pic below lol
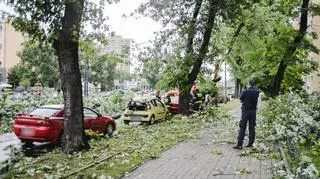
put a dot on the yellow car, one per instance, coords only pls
(145, 110)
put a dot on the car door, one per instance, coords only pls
(154, 108)
(92, 120)
(161, 109)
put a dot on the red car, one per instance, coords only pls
(45, 124)
(172, 101)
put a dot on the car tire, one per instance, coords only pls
(166, 116)
(27, 143)
(126, 122)
(152, 120)
(109, 130)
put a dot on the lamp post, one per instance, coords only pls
(86, 71)
(225, 81)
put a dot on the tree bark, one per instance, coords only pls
(184, 98)
(237, 88)
(291, 49)
(193, 26)
(103, 87)
(74, 138)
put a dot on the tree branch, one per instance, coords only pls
(205, 43)
(192, 28)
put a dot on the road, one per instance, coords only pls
(7, 140)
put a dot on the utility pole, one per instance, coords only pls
(225, 81)
(86, 71)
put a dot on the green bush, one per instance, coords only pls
(293, 120)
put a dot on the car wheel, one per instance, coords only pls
(166, 116)
(27, 143)
(126, 122)
(109, 130)
(152, 120)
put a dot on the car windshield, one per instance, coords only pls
(44, 112)
(136, 105)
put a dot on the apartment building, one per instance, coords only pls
(10, 45)
(312, 81)
(123, 46)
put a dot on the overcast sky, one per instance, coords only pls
(140, 30)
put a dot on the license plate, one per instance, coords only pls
(135, 118)
(27, 132)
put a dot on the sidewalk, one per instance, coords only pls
(198, 158)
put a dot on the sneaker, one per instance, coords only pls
(249, 146)
(239, 147)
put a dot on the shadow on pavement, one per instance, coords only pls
(37, 149)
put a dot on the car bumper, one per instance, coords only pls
(34, 134)
(136, 118)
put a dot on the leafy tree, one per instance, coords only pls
(42, 61)
(260, 44)
(151, 71)
(21, 75)
(193, 22)
(291, 48)
(103, 70)
(15, 75)
(102, 66)
(153, 59)
(123, 75)
(60, 23)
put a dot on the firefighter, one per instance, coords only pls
(167, 100)
(198, 99)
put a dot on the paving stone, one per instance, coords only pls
(193, 159)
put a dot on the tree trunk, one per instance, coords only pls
(237, 88)
(103, 87)
(184, 102)
(291, 49)
(74, 138)
(198, 60)
(185, 87)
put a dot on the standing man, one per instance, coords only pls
(249, 99)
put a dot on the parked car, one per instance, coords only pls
(172, 101)
(145, 110)
(5, 87)
(46, 123)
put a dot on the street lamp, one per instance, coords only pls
(225, 81)
(86, 79)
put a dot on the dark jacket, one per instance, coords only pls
(249, 99)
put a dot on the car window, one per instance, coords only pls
(159, 104)
(135, 105)
(44, 112)
(153, 102)
(89, 113)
